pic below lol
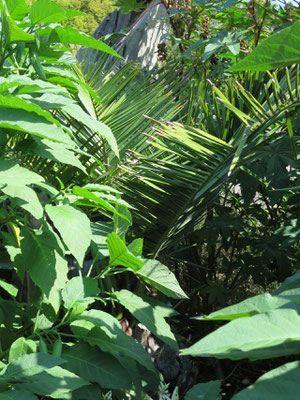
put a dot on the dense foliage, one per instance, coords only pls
(214, 194)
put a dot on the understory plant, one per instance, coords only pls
(63, 238)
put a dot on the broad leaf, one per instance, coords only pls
(292, 282)
(74, 228)
(278, 384)
(101, 329)
(205, 391)
(45, 12)
(120, 255)
(79, 293)
(17, 395)
(46, 266)
(34, 124)
(272, 334)
(13, 33)
(12, 172)
(90, 392)
(254, 305)
(55, 382)
(150, 316)
(50, 150)
(159, 276)
(20, 347)
(25, 197)
(93, 365)
(28, 366)
(70, 35)
(17, 9)
(279, 50)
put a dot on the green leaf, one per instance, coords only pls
(13, 291)
(74, 228)
(122, 220)
(12, 172)
(42, 255)
(272, 334)
(15, 102)
(279, 50)
(136, 247)
(205, 391)
(255, 305)
(86, 194)
(28, 366)
(278, 384)
(13, 33)
(55, 382)
(70, 35)
(149, 315)
(119, 254)
(46, 12)
(21, 120)
(90, 392)
(100, 230)
(20, 347)
(17, 9)
(79, 293)
(26, 198)
(17, 395)
(101, 329)
(160, 277)
(293, 282)
(50, 150)
(94, 365)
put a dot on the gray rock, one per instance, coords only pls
(144, 31)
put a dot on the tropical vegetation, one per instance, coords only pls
(167, 198)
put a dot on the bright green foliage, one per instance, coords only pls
(51, 210)
(279, 50)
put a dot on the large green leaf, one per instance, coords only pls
(17, 395)
(55, 382)
(13, 33)
(19, 103)
(149, 315)
(120, 255)
(12, 172)
(17, 9)
(272, 334)
(205, 391)
(45, 12)
(74, 228)
(101, 329)
(277, 384)
(90, 392)
(21, 120)
(29, 365)
(25, 197)
(255, 305)
(79, 293)
(70, 35)
(50, 150)
(279, 50)
(159, 276)
(93, 365)
(46, 265)
(20, 347)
